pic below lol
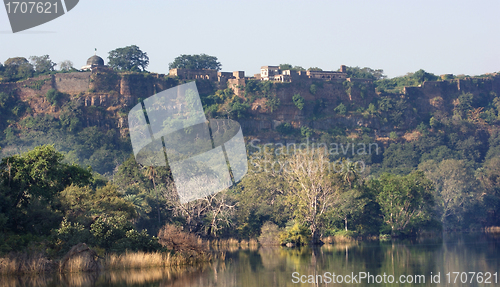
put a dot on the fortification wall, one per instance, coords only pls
(72, 83)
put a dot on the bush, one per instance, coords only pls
(298, 101)
(70, 234)
(272, 103)
(174, 238)
(285, 129)
(269, 234)
(107, 230)
(53, 96)
(136, 241)
(313, 89)
(306, 132)
(297, 235)
(341, 109)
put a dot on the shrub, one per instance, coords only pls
(341, 109)
(306, 132)
(297, 235)
(53, 96)
(313, 89)
(272, 103)
(174, 238)
(285, 128)
(269, 234)
(298, 101)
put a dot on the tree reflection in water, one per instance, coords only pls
(273, 266)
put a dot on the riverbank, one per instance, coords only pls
(88, 261)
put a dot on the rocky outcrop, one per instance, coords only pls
(80, 258)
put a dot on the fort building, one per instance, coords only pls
(274, 73)
(94, 62)
(191, 74)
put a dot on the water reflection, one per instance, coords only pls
(272, 266)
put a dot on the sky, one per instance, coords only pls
(441, 37)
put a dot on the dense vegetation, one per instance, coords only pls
(444, 176)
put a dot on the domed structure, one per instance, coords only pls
(94, 62)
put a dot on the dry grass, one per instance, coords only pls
(412, 136)
(25, 263)
(21, 264)
(75, 264)
(136, 260)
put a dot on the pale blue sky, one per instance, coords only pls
(459, 37)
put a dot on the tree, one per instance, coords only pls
(195, 62)
(17, 68)
(313, 189)
(455, 190)
(315, 69)
(406, 201)
(42, 64)
(66, 65)
(365, 73)
(30, 183)
(129, 58)
(284, 67)
(489, 176)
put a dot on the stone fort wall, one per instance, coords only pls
(72, 83)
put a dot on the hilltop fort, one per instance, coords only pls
(268, 96)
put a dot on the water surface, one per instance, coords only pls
(274, 266)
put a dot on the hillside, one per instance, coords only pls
(84, 113)
(434, 142)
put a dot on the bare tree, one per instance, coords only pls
(314, 187)
(207, 215)
(65, 65)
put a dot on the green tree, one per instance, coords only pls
(129, 58)
(315, 69)
(298, 101)
(365, 73)
(53, 96)
(195, 62)
(406, 201)
(42, 64)
(17, 68)
(284, 67)
(260, 195)
(31, 182)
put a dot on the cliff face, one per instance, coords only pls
(105, 98)
(321, 98)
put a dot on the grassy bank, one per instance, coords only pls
(38, 263)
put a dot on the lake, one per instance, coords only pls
(475, 259)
